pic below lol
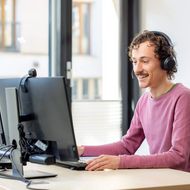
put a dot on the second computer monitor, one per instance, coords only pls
(5, 83)
(52, 124)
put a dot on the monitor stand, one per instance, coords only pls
(17, 171)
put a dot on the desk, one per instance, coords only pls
(133, 179)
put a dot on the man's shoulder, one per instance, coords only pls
(179, 94)
(181, 97)
(181, 89)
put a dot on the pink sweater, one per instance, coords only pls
(165, 123)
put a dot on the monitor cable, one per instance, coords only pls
(7, 149)
(27, 148)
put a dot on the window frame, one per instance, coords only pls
(129, 11)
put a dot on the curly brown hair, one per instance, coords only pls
(163, 48)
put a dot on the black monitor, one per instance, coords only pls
(52, 125)
(50, 130)
(9, 83)
(18, 144)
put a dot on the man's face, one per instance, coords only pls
(146, 66)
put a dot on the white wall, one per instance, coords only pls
(171, 17)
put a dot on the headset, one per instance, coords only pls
(169, 62)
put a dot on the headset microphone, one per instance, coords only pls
(31, 73)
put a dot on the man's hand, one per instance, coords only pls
(103, 162)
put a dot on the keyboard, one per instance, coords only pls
(74, 165)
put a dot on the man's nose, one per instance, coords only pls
(138, 67)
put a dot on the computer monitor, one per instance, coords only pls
(18, 140)
(2, 134)
(10, 83)
(51, 129)
(6, 83)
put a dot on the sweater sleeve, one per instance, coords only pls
(179, 154)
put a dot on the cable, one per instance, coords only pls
(28, 186)
(5, 146)
(27, 148)
(5, 163)
(5, 152)
(2, 146)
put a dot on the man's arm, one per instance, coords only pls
(127, 145)
(178, 156)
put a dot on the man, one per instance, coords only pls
(162, 114)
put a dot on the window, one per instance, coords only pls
(85, 88)
(24, 37)
(81, 27)
(95, 62)
(9, 27)
(74, 89)
(96, 89)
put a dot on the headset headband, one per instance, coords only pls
(165, 36)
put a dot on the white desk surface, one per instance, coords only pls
(160, 179)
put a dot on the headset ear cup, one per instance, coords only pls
(168, 64)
